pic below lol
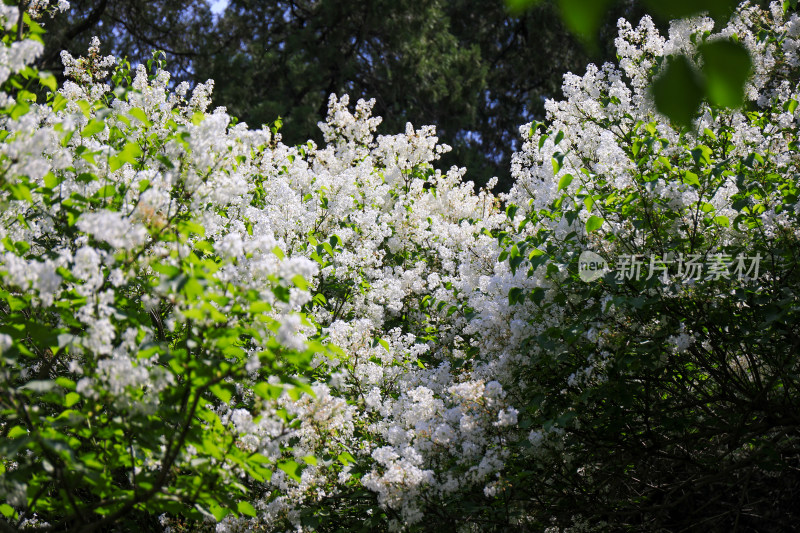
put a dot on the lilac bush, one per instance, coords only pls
(206, 329)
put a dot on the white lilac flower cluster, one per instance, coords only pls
(37, 8)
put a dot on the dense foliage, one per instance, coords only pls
(204, 327)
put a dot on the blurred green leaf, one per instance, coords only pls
(246, 508)
(59, 102)
(224, 392)
(726, 66)
(94, 126)
(678, 92)
(267, 390)
(19, 109)
(71, 399)
(140, 115)
(674, 9)
(584, 17)
(300, 282)
(516, 7)
(49, 81)
(17, 431)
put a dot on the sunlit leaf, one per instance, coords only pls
(93, 127)
(593, 223)
(246, 508)
(564, 182)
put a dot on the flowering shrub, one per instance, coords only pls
(130, 323)
(662, 395)
(205, 328)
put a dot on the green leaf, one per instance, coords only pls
(702, 155)
(170, 271)
(727, 67)
(537, 295)
(675, 9)
(85, 108)
(222, 392)
(106, 191)
(218, 511)
(515, 7)
(71, 399)
(678, 92)
(49, 81)
(690, 178)
(584, 17)
(558, 161)
(189, 227)
(511, 210)
(139, 114)
(564, 182)
(246, 508)
(291, 468)
(63, 381)
(19, 109)
(21, 192)
(268, 391)
(26, 96)
(93, 127)
(515, 295)
(515, 262)
(7, 510)
(300, 282)
(59, 103)
(129, 153)
(17, 431)
(346, 458)
(593, 223)
(51, 181)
